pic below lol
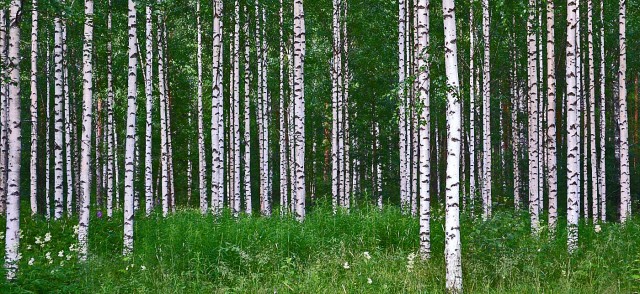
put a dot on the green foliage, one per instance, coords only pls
(366, 251)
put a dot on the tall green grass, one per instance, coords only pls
(189, 253)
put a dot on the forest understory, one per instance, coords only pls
(366, 251)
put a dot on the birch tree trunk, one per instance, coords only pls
(3, 111)
(87, 130)
(284, 167)
(131, 130)
(602, 167)
(59, 121)
(552, 179)
(68, 121)
(299, 44)
(164, 144)
(33, 172)
(112, 167)
(236, 111)
(14, 141)
(453, 248)
(336, 70)
(402, 11)
(247, 115)
(592, 116)
(424, 84)
(625, 179)
(217, 113)
(533, 122)
(472, 109)
(573, 167)
(202, 157)
(47, 143)
(486, 115)
(148, 89)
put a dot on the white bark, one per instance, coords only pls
(453, 248)
(573, 178)
(112, 150)
(3, 112)
(284, 167)
(552, 179)
(33, 172)
(202, 157)
(68, 121)
(164, 144)
(148, 89)
(217, 113)
(236, 113)
(47, 143)
(14, 141)
(131, 130)
(486, 115)
(625, 179)
(534, 165)
(472, 110)
(246, 142)
(336, 77)
(299, 45)
(402, 124)
(602, 168)
(425, 126)
(87, 130)
(58, 122)
(592, 116)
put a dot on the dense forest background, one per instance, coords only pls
(373, 31)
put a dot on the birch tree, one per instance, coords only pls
(625, 179)
(284, 147)
(602, 168)
(87, 130)
(202, 167)
(58, 121)
(453, 248)
(573, 167)
(34, 109)
(533, 121)
(164, 154)
(472, 108)
(592, 116)
(68, 122)
(247, 115)
(112, 166)
(552, 179)
(425, 126)
(235, 135)
(12, 241)
(486, 115)
(299, 51)
(148, 89)
(131, 129)
(3, 111)
(217, 112)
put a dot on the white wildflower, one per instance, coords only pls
(31, 261)
(29, 247)
(598, 229)
(48, 256)
(369, 281)
(69, 257)
(61, 253)
(346, 265)
(410, 261)
(47, 237)
(38, 240)
(367, 255)
(143, 267)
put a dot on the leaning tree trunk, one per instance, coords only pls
(148, 89)
(217, 113)
(573, 166)
(625, 181)
(14, 141)
(453, 250)
(130, 144)
(425, 126)
(299, 51)
(87, 130)
(486, 116)
(552, 179)
(534, 171)
(602, 167)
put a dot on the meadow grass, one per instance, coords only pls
(190, 253)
